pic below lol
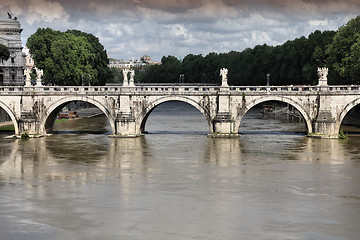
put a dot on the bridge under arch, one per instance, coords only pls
(263, 99)
(12, 116)
(47, 123)
(141, 120)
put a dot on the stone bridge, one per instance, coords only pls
(33, 109)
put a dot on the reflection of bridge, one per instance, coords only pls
(35, 108)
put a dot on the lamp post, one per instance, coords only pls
(181, 78)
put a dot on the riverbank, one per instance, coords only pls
(83, 113)
(89, 112)
(7, 126)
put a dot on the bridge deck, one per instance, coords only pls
(178, 89)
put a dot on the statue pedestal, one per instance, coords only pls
(27, 83)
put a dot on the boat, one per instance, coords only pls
(68, 115)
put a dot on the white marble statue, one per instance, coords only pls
(322, 73)
(39, 74)
(27, 77)
(223, 74)
(132, 74)
(125, 75)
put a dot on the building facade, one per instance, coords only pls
(121, 64)
(12, 70)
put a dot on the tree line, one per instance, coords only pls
(294, 62)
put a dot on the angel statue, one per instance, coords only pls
(125, 75)
(322, 73)
(223, 74)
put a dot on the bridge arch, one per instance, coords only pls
(48, 119)
(12, 116)
(344, 112)
(262, 99)
(152, 105)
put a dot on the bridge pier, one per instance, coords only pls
(325, 126)
(223, 126)
(125, 126)
(224, 123)
(28, 124)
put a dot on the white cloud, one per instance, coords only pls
(133, 28)
(317, 23)
(178, 31)
(46, 11)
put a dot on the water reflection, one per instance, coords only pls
(66, 157)
(224, 152)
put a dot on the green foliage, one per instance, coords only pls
(61, 120)
(117, 75)
(25, 135)
(294, 62)
(100, 61)
(69, 58)
(4, 52)
(342, 135)
(344, 53)
(7, 128)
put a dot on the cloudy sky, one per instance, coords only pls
(132, 28)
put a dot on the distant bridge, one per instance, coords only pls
(34, 108)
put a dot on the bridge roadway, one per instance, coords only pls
(34, 109)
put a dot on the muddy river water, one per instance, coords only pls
(176, 183)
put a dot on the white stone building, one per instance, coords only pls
(12, 70)
(121, 64)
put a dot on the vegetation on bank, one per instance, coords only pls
(294, 62)
(61, 120)
(9, 128)
(343, 135)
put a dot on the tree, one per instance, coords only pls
(192, 68)
(4, 52)
(101, 61)
(344, 57)
(169, 71)
(69, 58)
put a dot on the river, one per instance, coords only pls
(176, 183)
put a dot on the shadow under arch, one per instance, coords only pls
(259, 100)
(47, 123)
(345, 111)
(141, 120)
(12, 116)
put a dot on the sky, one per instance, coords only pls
(129, 29)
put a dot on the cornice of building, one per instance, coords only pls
(10, 25)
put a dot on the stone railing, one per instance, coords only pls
(162, 89)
